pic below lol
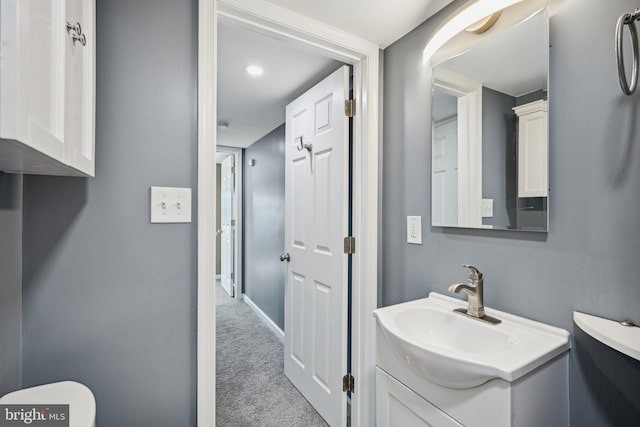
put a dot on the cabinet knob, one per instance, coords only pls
(75, 31)
(79, 38)
(75, 28)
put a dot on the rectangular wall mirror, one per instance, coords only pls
(490, 127)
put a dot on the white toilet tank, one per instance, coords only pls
(82, 403)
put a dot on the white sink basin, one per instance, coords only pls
(456, 351)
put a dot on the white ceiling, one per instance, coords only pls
(254, 106)
(379, 21)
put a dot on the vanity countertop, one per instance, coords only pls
(625, 339)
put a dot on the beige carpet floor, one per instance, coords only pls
(251, 388)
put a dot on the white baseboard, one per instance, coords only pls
(279, 333)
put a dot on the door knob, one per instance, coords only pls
(285, 257)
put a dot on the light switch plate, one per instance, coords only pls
(487, 208)
(170, 204)
(414, 230)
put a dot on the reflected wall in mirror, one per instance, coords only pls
(490, 127)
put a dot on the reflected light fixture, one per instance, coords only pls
(472, 12)
(254, 70)
(484, 24)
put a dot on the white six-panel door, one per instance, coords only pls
(316, 196)
(227, 225)
(444, 209)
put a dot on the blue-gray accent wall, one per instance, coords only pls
(589, 259)
(499, 177)
(263, 205)
(110, 299)
(10, 281)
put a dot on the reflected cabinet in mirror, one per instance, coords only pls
(490, 126)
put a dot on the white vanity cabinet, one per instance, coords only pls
(398, 405)
(47, 87)
(533, 149)
(405, 398)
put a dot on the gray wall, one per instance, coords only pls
(10, 281)
(110, 299)
(531, 96)
(263, 205)
(499, 156)
(589, 259)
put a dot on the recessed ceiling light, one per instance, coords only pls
(254, 70)
(223, 125)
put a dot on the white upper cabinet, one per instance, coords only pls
(533, 149)
(47, 86)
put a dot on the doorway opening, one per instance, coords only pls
(365, 58)
(266, 187)
(229, 219)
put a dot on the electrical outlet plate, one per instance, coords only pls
(487, 208)
(170, 205)
(414, 230)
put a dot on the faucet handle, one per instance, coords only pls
(475, 274)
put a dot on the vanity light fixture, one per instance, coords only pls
(470, 13)
(484, 24)
(254, 70)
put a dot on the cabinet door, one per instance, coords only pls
(40, 95)
(397, 405)
(79, 124)
(533, 149)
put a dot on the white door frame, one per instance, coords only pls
(237, 198)
(269, 18)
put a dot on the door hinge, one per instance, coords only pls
(348, 383)
(233, 222)
(232, 276)
(350, 107)
(349, 245)
(233, 170)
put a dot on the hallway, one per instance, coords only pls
(251, 388)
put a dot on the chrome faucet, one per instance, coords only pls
(474, 291)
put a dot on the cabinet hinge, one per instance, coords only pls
(348, 383)
(350, 107)
(349, 245)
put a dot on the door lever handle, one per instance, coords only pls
(285, 257)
